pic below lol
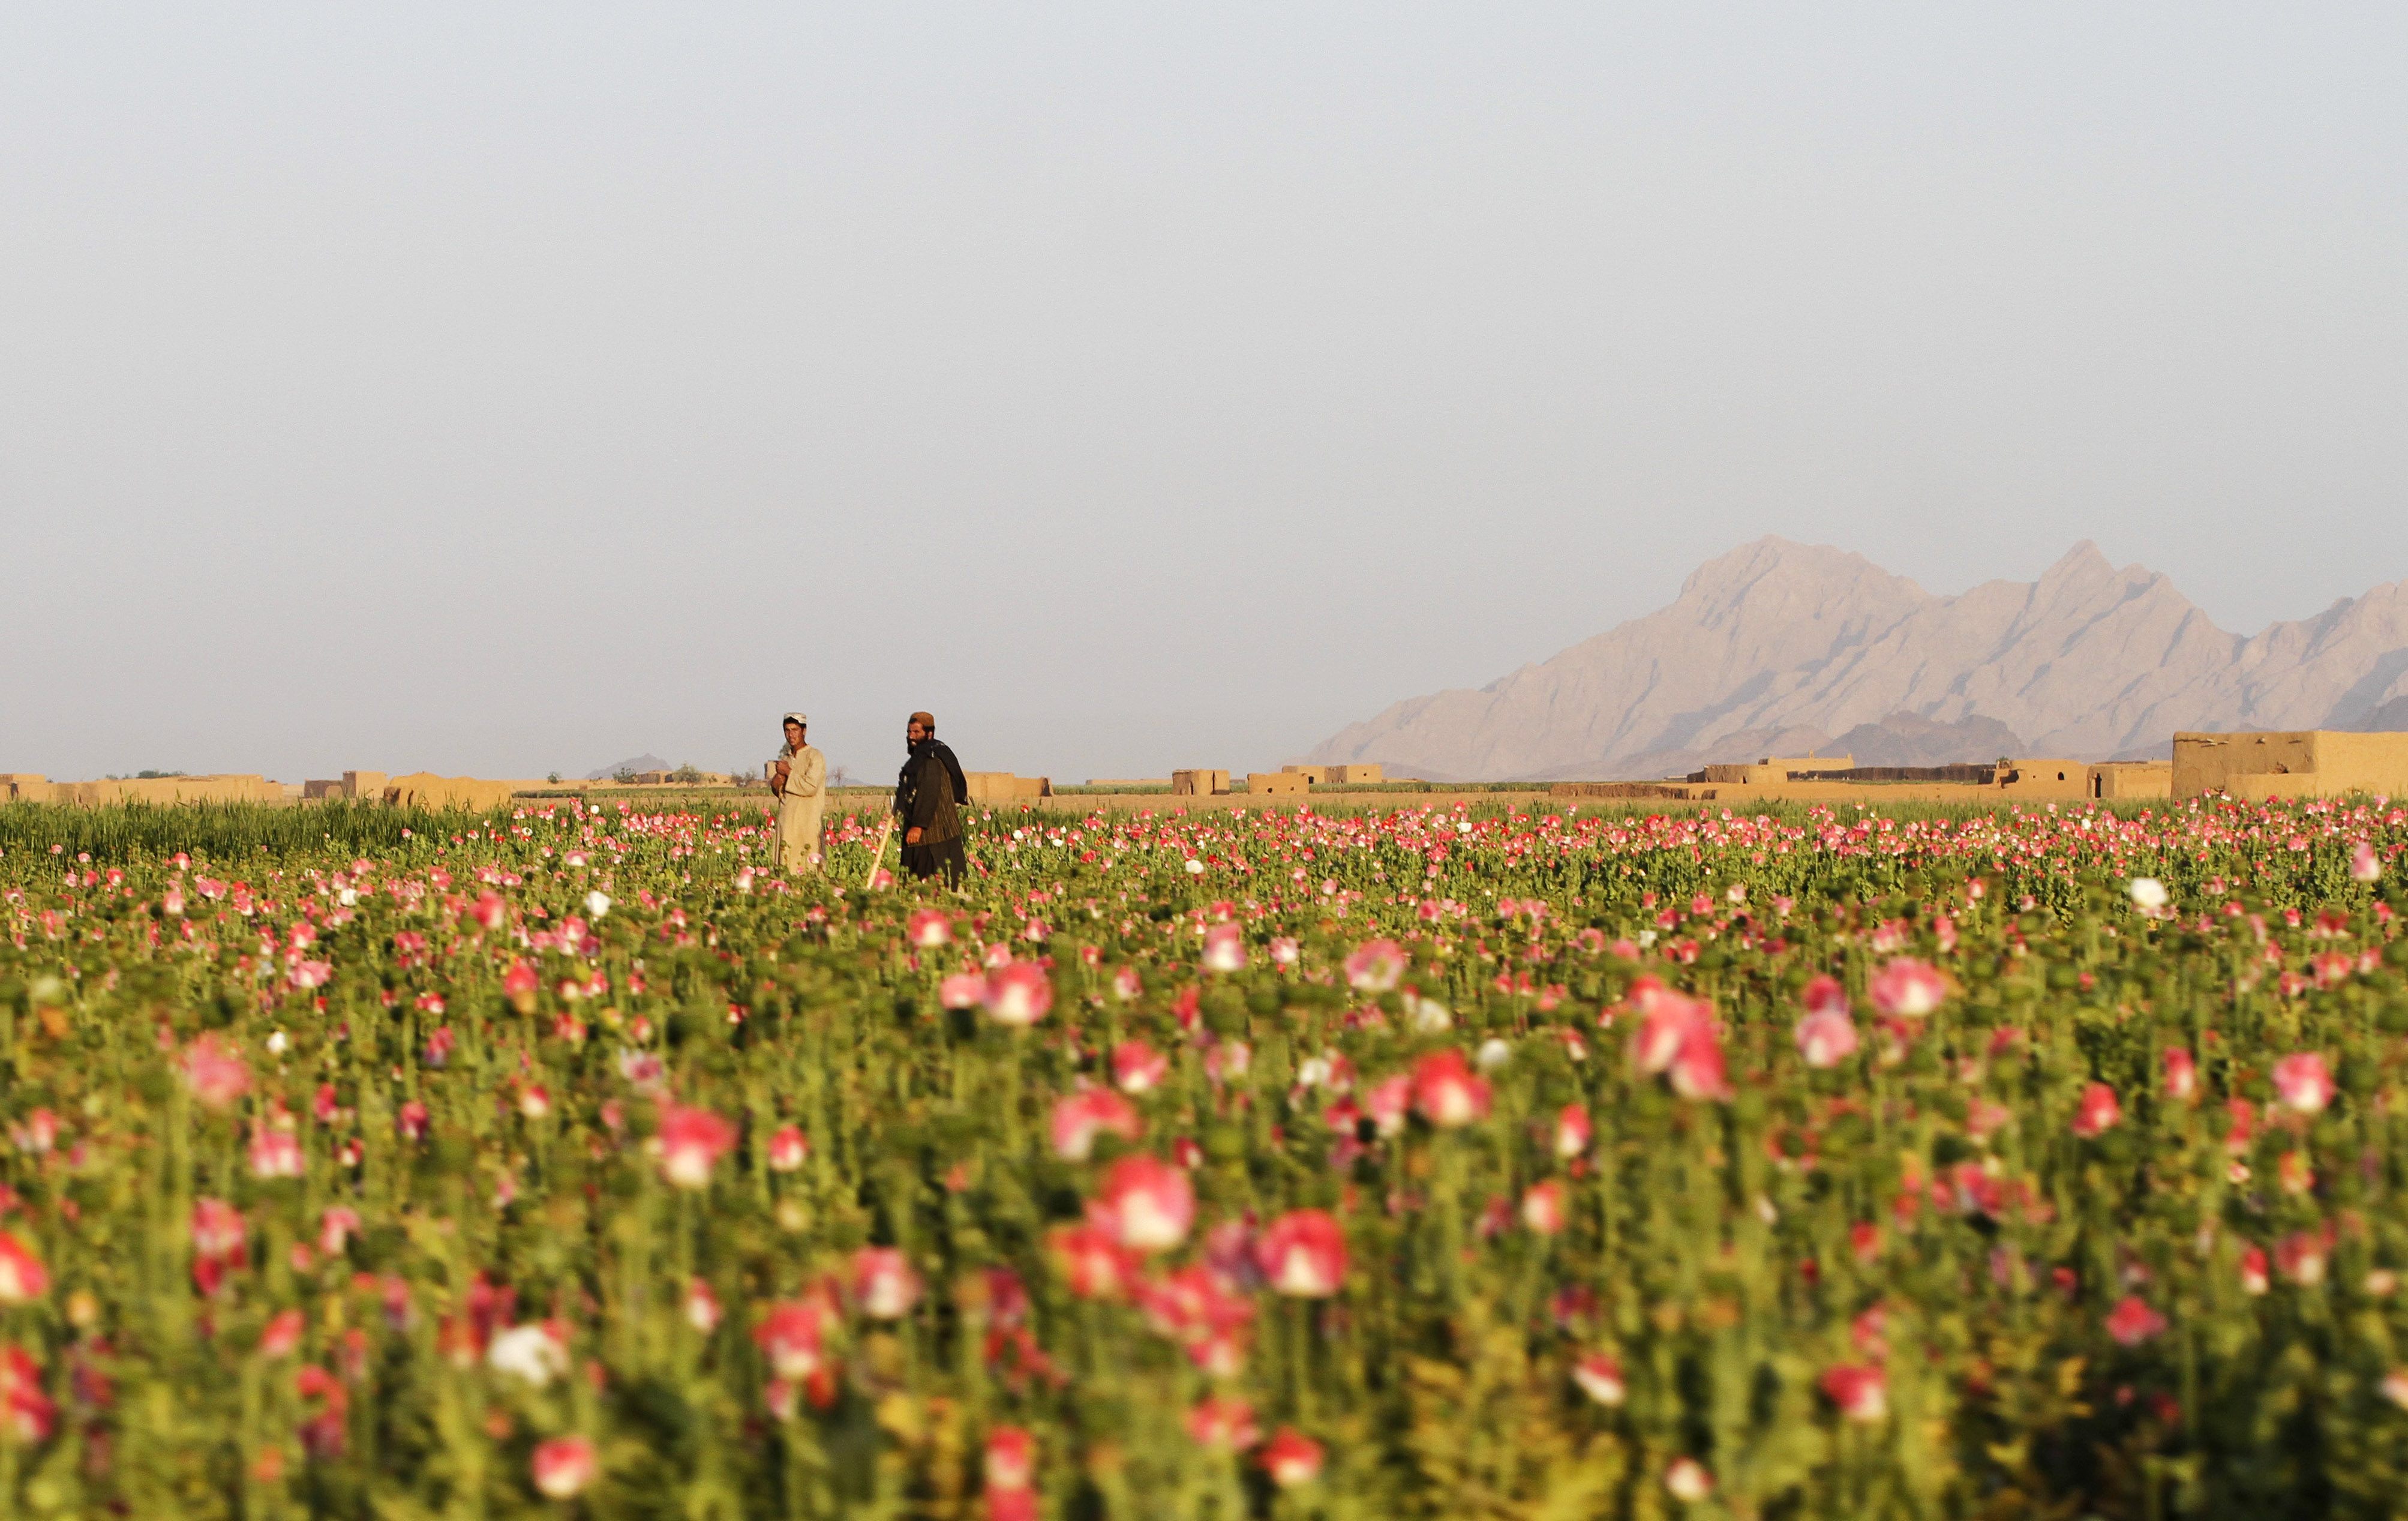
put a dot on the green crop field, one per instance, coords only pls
(1397, 1160)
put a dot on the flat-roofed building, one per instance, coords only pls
(2111, 780)
(425, 789)
(2292, 763)
(2046, 778)
(1004, 787)
(26, 787)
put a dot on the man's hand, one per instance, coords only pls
(911, 836)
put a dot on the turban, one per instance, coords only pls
(798, 718)
(927, 720)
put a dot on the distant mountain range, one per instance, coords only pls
(1785, 649)
(645, 762)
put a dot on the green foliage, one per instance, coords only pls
(126, 833)
(489, 1037)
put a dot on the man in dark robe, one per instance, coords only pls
(930, 795)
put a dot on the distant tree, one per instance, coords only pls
(841, 777)
(149, 776)
(553, 778)
(686, 775)
(623, 774)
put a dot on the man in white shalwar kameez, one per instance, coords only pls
(798, 777)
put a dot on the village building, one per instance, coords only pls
(1004, 787)
(2310, 763)
(2111, 780)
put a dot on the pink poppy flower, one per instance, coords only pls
(214, 1071)
(274, 1152)
(1146, 1204)
(2181, 1075)
(1599, 1377)
(1447, 1093)
(1698, 1068)
(793, 1337)
(39, 1134)
(1907, 989)
(1687, 1480)
(564, 1467)
(489, 910)
(1664, 1018)
(283, 1336)
(31, 1415)
(519, 984)
(1226, 1424)
(692, 1142)
(1224, 949)
(1543, 1208)
(1137, 1068)
(1376, 967)
(1572, 1131)
(1291, 1458)
(962, 990)
(218, 1227)
(1018, 994)
(1826, 995)
(1079, 1118)
(1303, 1254)
(2132, 1322)
(1825, 1038)
(2301, 1256)
(883, 1283)
(23, 1277)
(2395, 1386)
(2304, 1082)
(2364, 866)
(2254, 1276)
(787, 1149)
(1387, 1101)
(219, 1235)
(1010, 1459)
(2098, 1112)
(1093, 1265)
(1861, 1393)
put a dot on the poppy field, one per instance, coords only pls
(1481, 1162)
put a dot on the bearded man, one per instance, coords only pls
(931, 791)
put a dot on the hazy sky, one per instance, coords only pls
(497, 387)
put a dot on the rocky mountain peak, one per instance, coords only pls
(1778, 638)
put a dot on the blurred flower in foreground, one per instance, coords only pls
(564, 1467)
